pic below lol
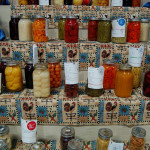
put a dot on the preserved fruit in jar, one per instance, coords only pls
(146, 84)
(37, 146)
(77, 2)
(124, 81)
(127, 3)
(103, 2)
(136, 3)
(137, 76)
(23, 2)
(3, 145)
(94, 2)
(75, 144)
(59, 2)
(33, 2)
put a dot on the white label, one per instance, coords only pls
(28, 130)
(95, 77)
(117, 2)
(43, 2)
(71, 73)
(46, 27)
(135, 56)
(35, 54)
(118, 27)
(115, 146)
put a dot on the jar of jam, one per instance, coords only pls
(78, 2)
(4, 135)
(71, 29)
(40, 29)
(33, 2)
(127, 3)
(124, 81)
(104, 135)
(55, 72)
(75, 144)
(23, 2)
(67, 134)
(92, 29)
(41, 80)
(13, 76)
(68, 2)
(109, 74)
(38, 146)
(137, 139)
(136, 3)
(133, 31)
(3, 145)
(103, 2)
(28, 73)
(146, 84)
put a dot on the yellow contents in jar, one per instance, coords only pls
(23, 2)
(77, 2)
(102, 144)
(94, 2)
(103, 2)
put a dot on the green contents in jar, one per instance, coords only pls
(61, 28)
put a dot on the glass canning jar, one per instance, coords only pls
(103, 2)
(75, 144)
(137, 139)
(71, 29)
(38, 146)
(127, 3)
(104, 135)
(124, 81)
(136, 3)
(67, 134)
(3, 145)
(94, 2)
(146, 84)
(68, 2)
(23, 2)
(59, 2)
(33, 2)
(71, 90)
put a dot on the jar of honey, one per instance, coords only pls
(75, 144)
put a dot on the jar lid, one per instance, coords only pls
(25, 17)
(72, 17)
(146, 20)
(37, 146)
(6, 59)
(38, 16)
(3, 145)
(105, 133)
(125, 67)
(63, 17)
(29, 61)
(105, 19)
(15, 16)
(67, 132)
(134, 19)
(40, 66)
(109, 61)
(12, 63)
(93, 18)
(53, 60)
(75, 144)
(139, 132)
(4, 130)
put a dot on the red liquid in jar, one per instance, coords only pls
(71, 90)
(146, 84)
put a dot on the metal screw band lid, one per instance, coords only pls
(72, 17)
(109, 61)
(29, 61)
(139, 132)
(67, 132)
(4, 130)
(93, 18)
(53, 60)
(12, 63)
(105, 133)
(125, 67)
(15, 16)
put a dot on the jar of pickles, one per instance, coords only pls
(146, 84)
(13, 76)
(103, 2)
(3, 145)
(33, 2)
(67, 134)
(59, 2)
(133, 31)
(104, 135)
(41, 80)
(137, 139)
(124, 81)
(127, 3)
(136, 3)
(75, 144)
(77, 2)
(23, 2)
(104, 30)
(109, 74)
(71, 29)
(40, 33)
(38, 146)
(55, 72)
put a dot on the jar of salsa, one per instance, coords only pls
(37, 146)
(146, 84)
(3, 145)
(136, 3)
(92, 29)
(124, 81)
(33, 2)
(71, 29)
(109, 74)
(127, 3)
(67, 134)
(75, 144)
(103, 2)
(68, 2)
(133, 31)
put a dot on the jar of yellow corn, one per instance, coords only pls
(13, 76)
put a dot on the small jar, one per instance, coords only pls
(71, 29)
(109, 74)
(92, 29)
(4, 135)
(33, 2)
(137, 139)
(104, 135)
(61, 28)
(41, 80)
(40, 29)
(67, 134)
(25, 29)
(38, 146)
(124, 81)
(127, 3)
(55, 72)
(117, 3)
(146, 84)
(28, 73)
(23, 2)
(68, 2)
(13, 76)
(75, 144)
(133, 31)
(104, 30)
(13, 27)
(144, 30)
(77, 2)
(59, 2)
(3, 145)
(103, 2)
(136, 3)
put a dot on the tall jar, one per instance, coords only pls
(117, 3)
(109, 74)
(77, 2)
(124, 81)
(71, 29)
(55, 72)
(13, 76)
(104, 30)
(68, 2)
(33, 2)
(40, 29)
(103, 2)
(133, 31)
(136, 3)
(4, 135)
(137, 141)
(13, 27)
(23, 2)
(104, 135)
(146, 84)
(25, 29)
(92, 29)
(127, 3)
(144, 30)
(75, 144)
(3, 145)
(38, 146)
(41, 80)
(67, 134)
(61, 28)
(29, 73)
(59, 2)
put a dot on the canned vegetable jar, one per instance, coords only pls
(75, 144)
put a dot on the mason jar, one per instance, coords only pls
(38, 146)
(75, 144)
(3, 145)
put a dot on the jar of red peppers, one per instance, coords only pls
(133, 31)
(67, 134)
(146, 84)
(92, 29)
(55, 72)
(136, 3)
(71, 29)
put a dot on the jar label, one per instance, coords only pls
(35, 54)
(117, 3)
(136, 56)
(95, 77)
(46, 27)
(71, 73)
(115, 146)
(43, 2)
(118, 27)
(28, 129)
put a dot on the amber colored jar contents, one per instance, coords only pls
(103, 2)
(75, 144)
(124, 81)
(77, 2)
(137, 76)
(71, 90)
(146, 84)
(33, 2)
(23, 2)
(61, 28)
(136, 3)
(94, 2)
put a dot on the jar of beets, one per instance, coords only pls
(146, 84)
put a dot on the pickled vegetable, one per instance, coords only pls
(61, 28)
(137, 76)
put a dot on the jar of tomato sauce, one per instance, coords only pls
(133, 31)
(71, 29)
(136, 3)
(124, 81)
(146, 84)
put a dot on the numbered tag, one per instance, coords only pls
(115, 145)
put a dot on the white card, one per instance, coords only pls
(115, 146)
(35, 54)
